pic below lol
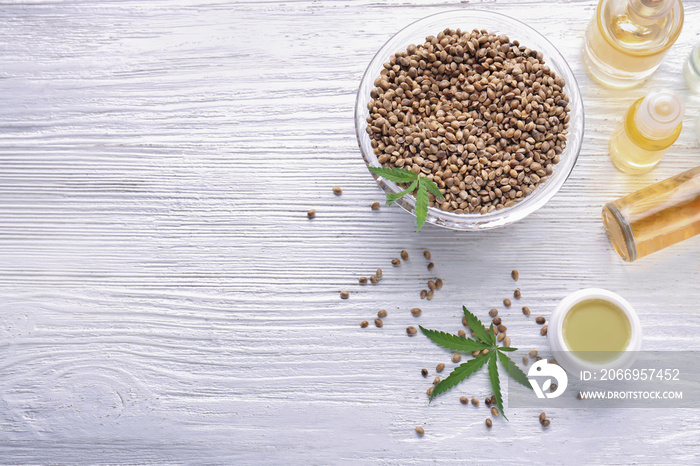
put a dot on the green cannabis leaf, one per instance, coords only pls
(421, 185)
(460, 373)
(486, 340)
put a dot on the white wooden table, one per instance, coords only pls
(164, 299)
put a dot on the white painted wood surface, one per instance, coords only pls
(164, 299)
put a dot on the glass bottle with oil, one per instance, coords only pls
(650, 126)
(627, 39)
(691, 70)
(655, 217)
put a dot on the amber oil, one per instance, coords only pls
(655, 217)
(627, 39)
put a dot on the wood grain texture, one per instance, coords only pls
(164, 299)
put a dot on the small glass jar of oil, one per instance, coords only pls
(651, 125)
(655, 217)
(593, 329)
(627, 39)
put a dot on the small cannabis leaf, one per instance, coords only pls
(421, 185)
(486, 340)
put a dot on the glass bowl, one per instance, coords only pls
(467, 20)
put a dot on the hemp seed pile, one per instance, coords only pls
(481, 116)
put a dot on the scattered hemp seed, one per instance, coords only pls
(496, 321)
(543, 416)
(493, 312)
(484, 351)
(430, 295)
(546, 423)
(429, 391)
(420, 431)
(362, 280)
(526, 361)
(501, 336)
(379, 273)
(494, 411)
(431, 285)
(438, 283)
(538, 359)
(382, 313)
(517, 294)
(396, 262)
(364, 324)
(526, 310)
(543, 330)
(337, 190)
(344, 295)
(462, 333)
(426, 254)
(375, 206)
(475, 401)
(464, 322)
(311, 213)
(423, 294)
(506, 341)
(378, 323)
(553, 388)
(404, 255)
(456, 358)
(506, 302)
(416, 312)
(436, 380)
(533, 353)
(411, 330)
(424, 372)
(502, 328)
(374, 279)
(489, 423)
(440, 367)
(540, 320)
(515, 274)
(464, 400)
(487, 401)
(476, 353)
(431, 266)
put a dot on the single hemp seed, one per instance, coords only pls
(515, 275)
(378, 323)
(526, 310)
(375, 206)
(517, 294)
(395, 262)
(382, 313)
(344, 295)
(424, 372)
(416, 312)
(493, 312)
(337, 190)
(506, 302)
(456, 358)
(426, 254)
(404, 255)
(440, 367)
(411, 330)
(540, 320)
(489, 423)
(311, 213)
(464, 400)
(431, 266)
(543, 330)
(420, 431)
(364, 324)
(362, 280)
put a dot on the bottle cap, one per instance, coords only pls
(659, 114)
